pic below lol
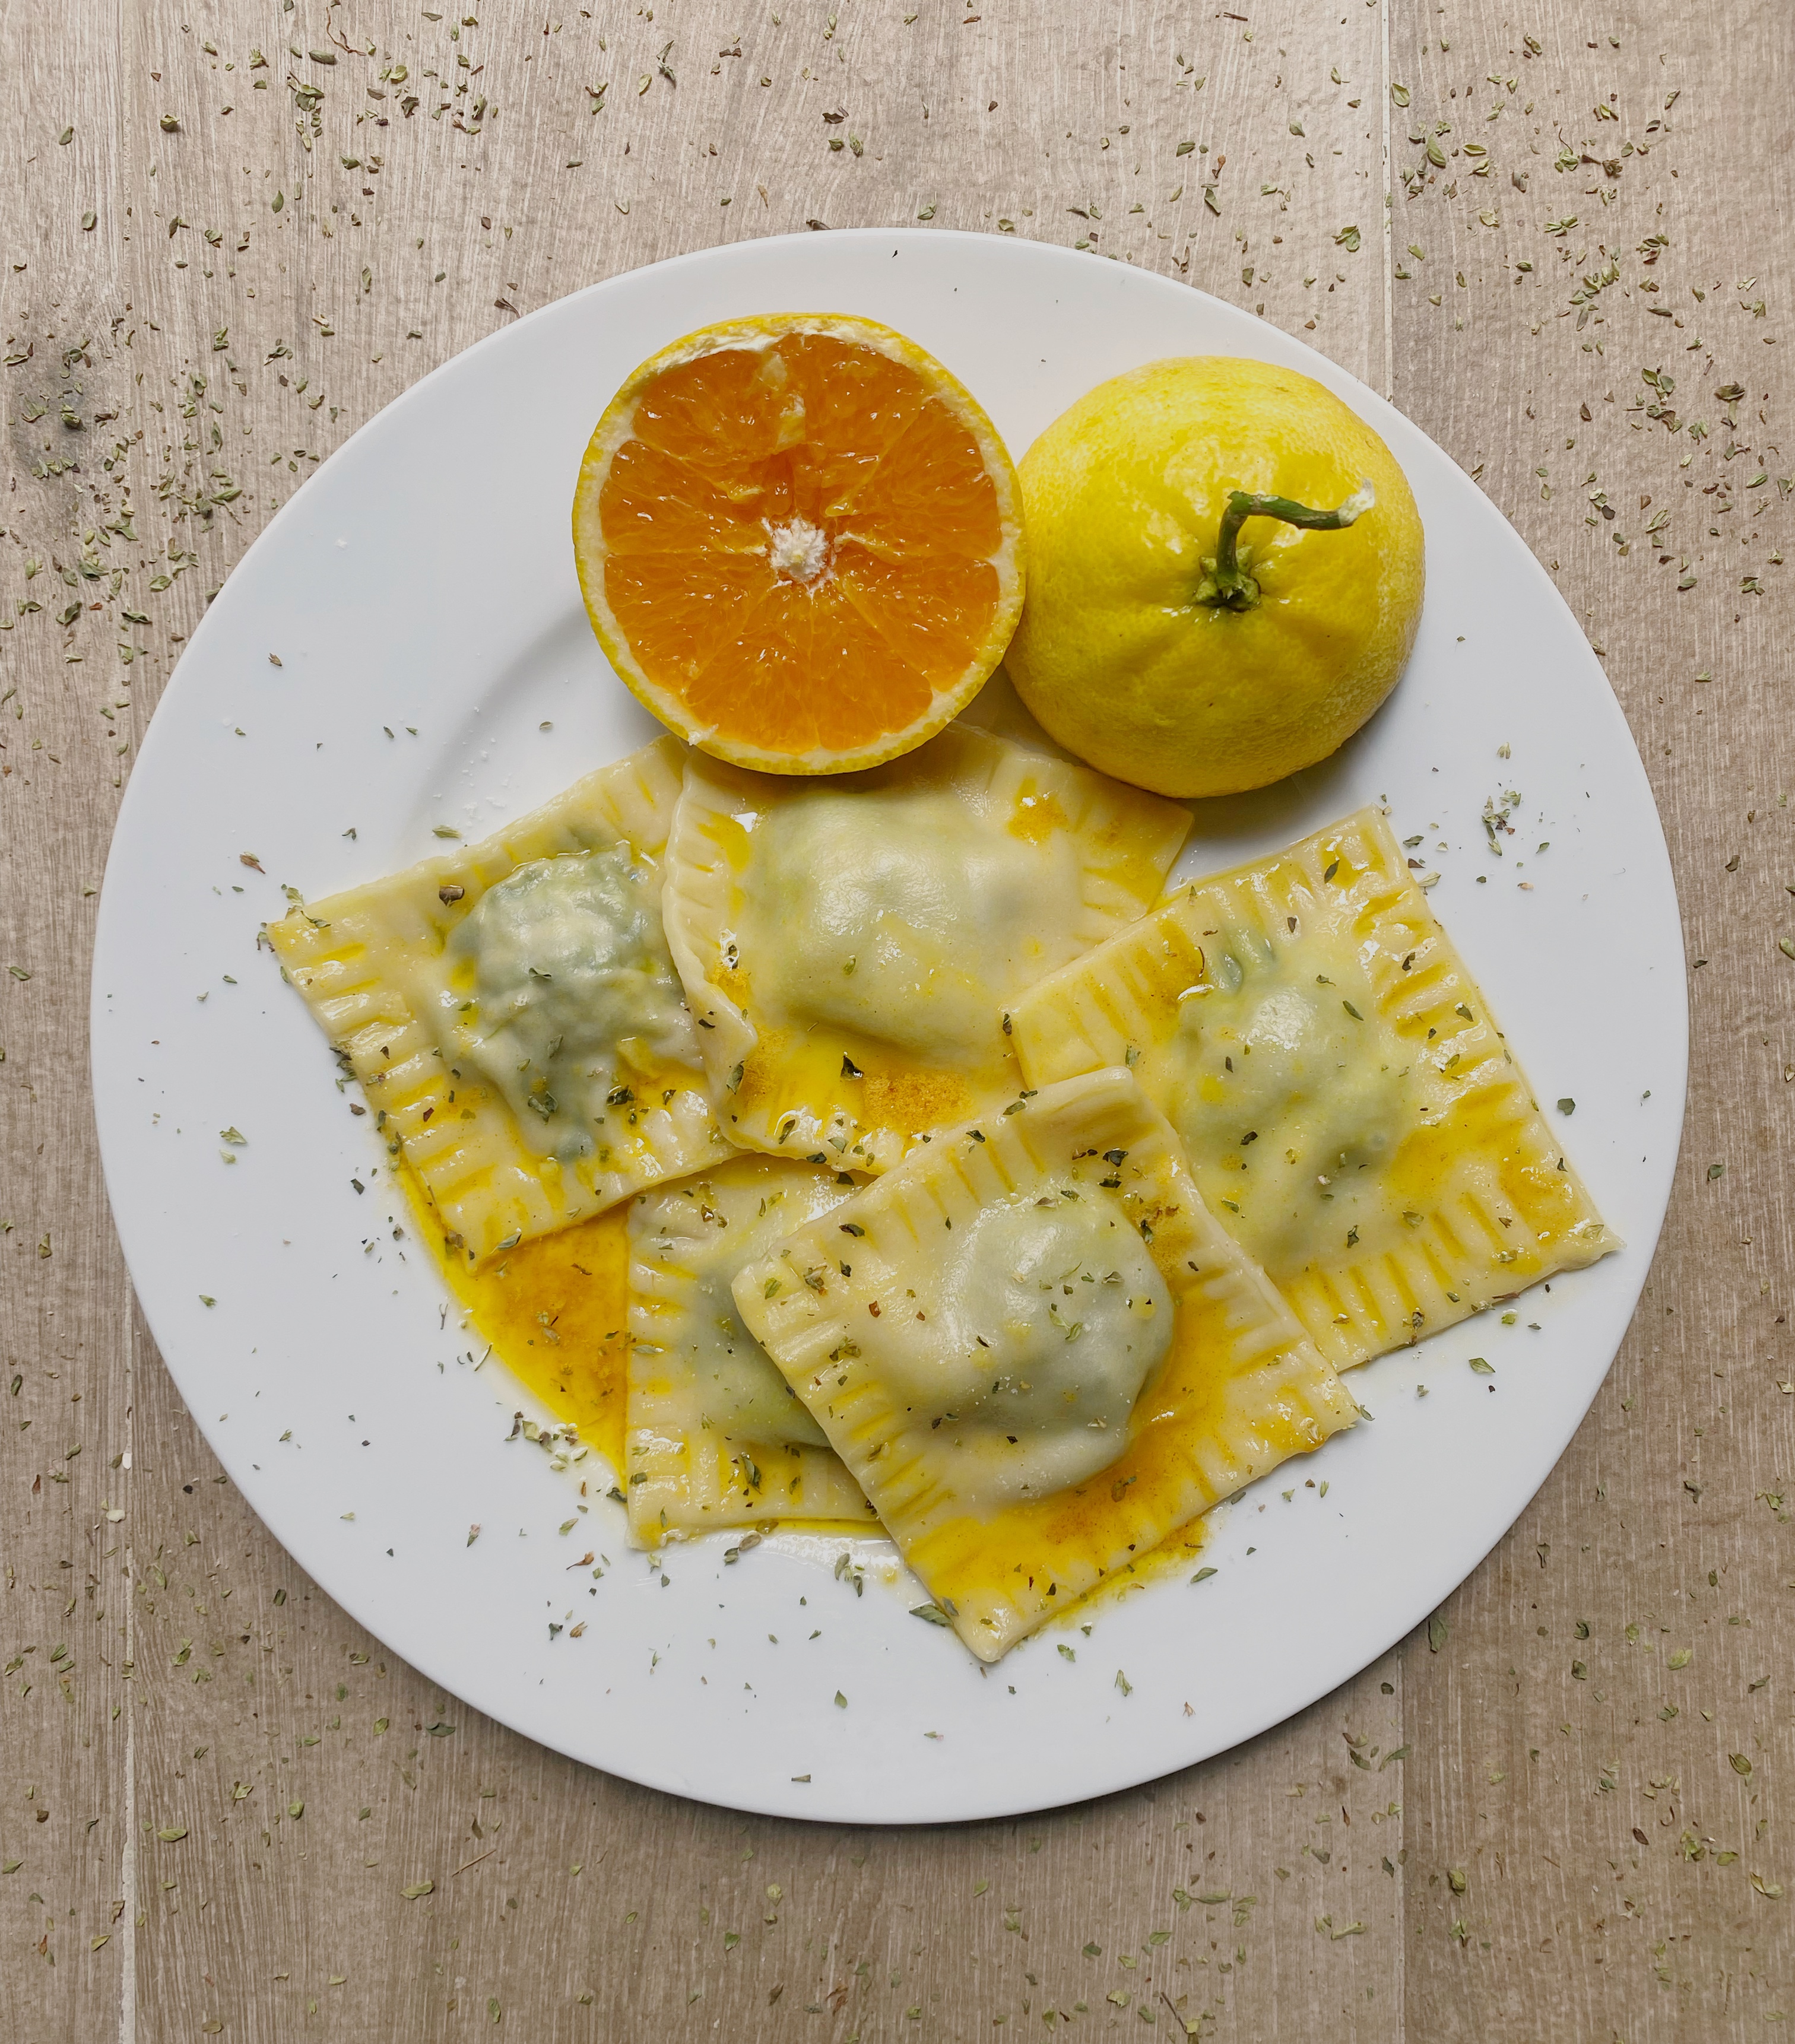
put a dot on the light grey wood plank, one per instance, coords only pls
(1595, 1834)
(63, 1385)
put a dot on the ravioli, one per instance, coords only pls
(1352, 1114)
(851, 946)
(513, 1013)
(1038, 1352)
(716, 1435)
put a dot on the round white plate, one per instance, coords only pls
(420, 597)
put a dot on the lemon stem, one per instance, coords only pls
(1227, 585)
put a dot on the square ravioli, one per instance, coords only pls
(1351, 1113)
(716, 1436)
(851, 945)
(512, 1014)
(1039, 1354)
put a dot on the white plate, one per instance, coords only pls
(422, 582)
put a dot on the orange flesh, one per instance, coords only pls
(813, 442)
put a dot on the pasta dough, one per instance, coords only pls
(850, 946)
(1352, 1115)
(1038, 1353)
(716, 1437)
(513, 1013)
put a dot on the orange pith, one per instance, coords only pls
(799, 542)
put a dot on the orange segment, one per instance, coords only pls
(800, 542)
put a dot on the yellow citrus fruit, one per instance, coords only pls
(800, 541)
(1147, 651)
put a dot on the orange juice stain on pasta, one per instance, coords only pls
(1179, 1554)
(555, 1312)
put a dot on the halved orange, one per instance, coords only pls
(800, 541)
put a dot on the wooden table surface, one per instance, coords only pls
(1558, 234)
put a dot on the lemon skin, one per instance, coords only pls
(1122, 497)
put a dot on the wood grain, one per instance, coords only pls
(1491, 1881)
(1544, 1753)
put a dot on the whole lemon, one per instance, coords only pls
(1181, 631)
